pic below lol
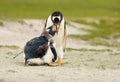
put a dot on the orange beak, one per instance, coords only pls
(56, 27)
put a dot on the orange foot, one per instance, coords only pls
(59, 60)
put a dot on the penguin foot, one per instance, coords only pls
(59, 61)
(52, 64)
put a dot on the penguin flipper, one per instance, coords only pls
(65, 37)
(54, 52)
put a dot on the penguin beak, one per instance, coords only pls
(57, 27)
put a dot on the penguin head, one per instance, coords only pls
(56, 17)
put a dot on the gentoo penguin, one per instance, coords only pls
(38, 46)
(56, 19)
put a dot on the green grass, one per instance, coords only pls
(9, 46)
(1, 23)
(92, 50)
(70, 8)
(10, 53)
(106, 31)
(1, 80)
(106, 28)
(11, 71)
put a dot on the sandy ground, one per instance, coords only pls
(89, 64)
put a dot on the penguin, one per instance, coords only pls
(57, 20)
(38, 46)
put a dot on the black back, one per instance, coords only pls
(32, 46)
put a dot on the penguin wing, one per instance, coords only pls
(32, 45)
(65, 37)
(54, 52)
(30, 48)
(41, 50)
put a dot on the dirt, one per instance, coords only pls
(82, 61)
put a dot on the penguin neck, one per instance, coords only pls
(46, 35)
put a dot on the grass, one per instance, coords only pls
(107, 31)
(11, 71)
(1, 80)
(70, 8)
(1, 23)
(10, 53)
(100, 42)
(92, 50)
(101, 67)
(9, 46)
(106, 27)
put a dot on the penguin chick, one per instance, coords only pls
(38, 46)
(43, 49)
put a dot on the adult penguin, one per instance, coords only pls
(38, 47)
(56, 19)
